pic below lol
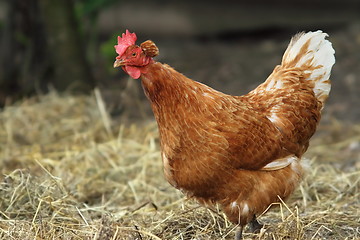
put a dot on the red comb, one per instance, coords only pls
(127, 39)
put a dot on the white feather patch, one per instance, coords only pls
(168, 170)
(280, 163)
(245, 209)
(273, 117)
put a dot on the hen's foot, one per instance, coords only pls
(238, 233)
(255, 226)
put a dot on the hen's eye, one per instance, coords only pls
(134, 54)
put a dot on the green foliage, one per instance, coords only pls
(108, 52)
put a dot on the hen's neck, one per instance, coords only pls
(163, 85)
(159, 80)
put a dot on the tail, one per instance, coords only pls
(312, 52)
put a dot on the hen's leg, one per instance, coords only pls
(255, 226)
(238, 233)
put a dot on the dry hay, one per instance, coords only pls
(69, 171)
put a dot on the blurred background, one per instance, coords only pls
(68, 45)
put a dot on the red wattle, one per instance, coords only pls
(134, 72)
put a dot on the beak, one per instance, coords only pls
(119, 63)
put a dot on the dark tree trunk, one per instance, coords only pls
(65, 46)
(41, 45)
(22, 50)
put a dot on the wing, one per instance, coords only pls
(288, 101)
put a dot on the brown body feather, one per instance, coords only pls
(213, 143)
(242, 152)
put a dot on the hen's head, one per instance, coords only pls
(131, 57)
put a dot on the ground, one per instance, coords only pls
(72, 172)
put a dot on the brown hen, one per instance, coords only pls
(241, 152)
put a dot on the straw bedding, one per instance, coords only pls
(70, 171)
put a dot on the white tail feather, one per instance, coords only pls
(313, 50)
